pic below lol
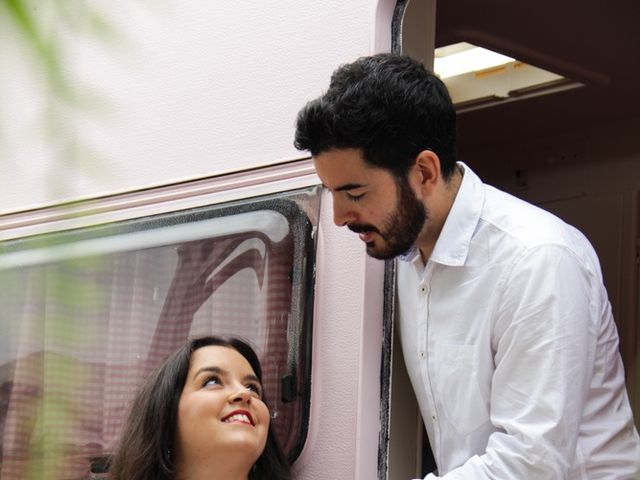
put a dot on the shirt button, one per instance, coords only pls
(423, 354)
(424, 289)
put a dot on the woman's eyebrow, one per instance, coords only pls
(211, 369)
(223, 372)
(252, 378)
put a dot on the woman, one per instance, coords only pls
(201, 416)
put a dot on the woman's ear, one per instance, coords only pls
(427, 171)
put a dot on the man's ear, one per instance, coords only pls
(427, 171)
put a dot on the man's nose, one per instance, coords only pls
(342, 215)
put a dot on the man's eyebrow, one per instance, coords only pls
(348, 186)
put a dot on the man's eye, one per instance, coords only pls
(355, 198)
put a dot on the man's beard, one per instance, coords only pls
(400, 229)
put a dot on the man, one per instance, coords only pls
(506, 329)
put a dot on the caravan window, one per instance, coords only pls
(87, 314)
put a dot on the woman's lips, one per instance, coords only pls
(239, 416)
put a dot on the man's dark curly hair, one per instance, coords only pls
(388, 106)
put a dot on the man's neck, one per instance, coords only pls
(438, 214)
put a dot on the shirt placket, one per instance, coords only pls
(424, 332)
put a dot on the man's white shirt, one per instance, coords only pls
(511, 347)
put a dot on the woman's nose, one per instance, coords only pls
(241, 395)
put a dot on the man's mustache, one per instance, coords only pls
(362, 228)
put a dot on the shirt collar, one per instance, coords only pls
(409, 255)
(452, 246)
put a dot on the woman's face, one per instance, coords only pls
(221, 414)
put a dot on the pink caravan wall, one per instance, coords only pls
(184, 93)
(177, 91)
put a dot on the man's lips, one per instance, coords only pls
(239, 416)
(366, 237)
(365, 232)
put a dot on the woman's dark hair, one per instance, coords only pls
(387, 105)
(147, 441)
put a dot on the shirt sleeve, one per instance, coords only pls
(544, 335)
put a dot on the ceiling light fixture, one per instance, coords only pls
(464, 58)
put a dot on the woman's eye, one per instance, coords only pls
(212, 381)
(255, 388)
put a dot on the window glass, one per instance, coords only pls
(86, 315)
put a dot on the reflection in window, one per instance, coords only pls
(87, 315)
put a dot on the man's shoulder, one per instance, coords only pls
(522, 222)
(502, 220)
